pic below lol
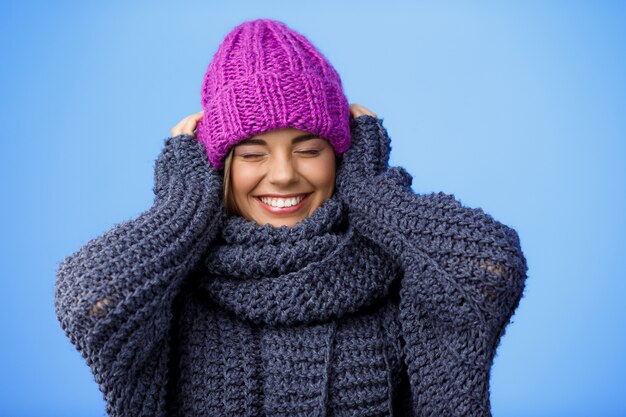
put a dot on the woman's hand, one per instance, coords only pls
(357, 110)
(369, 141)
(184, 157)
(369, 149)
(188, 125)
(367, 157)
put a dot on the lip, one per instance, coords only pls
(283, 210)
(280, 195)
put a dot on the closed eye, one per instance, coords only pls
(258, 155)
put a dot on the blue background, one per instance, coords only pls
(517, 108)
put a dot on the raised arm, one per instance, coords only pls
(113, 297)
(464, 273)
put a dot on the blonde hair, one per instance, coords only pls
(230, 206)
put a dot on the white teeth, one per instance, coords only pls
(283, 202)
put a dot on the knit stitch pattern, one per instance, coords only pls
(266, 76)
(382, 302)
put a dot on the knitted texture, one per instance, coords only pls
(288, 321)
(113, 296)
(464, 274)
(382, 302)
(266, 76)
(281, 275)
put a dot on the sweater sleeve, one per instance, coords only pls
(464, 274)
(114, 296)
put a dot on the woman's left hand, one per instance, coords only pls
(368, 154)
(357, 110)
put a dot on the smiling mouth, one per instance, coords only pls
(283, 204)
(283, 195)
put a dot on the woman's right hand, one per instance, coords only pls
(183, 162)
(187, 125)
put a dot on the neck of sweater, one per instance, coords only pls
(313, 271)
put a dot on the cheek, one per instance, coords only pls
(321, 172)
(243, 180)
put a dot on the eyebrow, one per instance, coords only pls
(297, 139)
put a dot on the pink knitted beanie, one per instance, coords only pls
(266, 76)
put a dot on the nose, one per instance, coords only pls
(282, 171)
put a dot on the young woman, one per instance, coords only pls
(284, 268)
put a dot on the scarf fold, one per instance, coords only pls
(314, 271)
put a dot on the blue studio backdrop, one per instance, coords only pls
(515, 107)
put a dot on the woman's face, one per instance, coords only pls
(287, 163)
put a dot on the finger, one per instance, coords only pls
(187, 125)
(358, 110)
(355, 111)
(197, 118)
(176, 130)
(364, 110)
(367, 111)
(190, 125)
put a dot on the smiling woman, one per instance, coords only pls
(284, 268)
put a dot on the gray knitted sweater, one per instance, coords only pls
(382, 302)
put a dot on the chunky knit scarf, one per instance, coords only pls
(314, 271)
